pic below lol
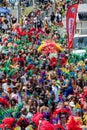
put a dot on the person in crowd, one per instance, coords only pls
(40, 90)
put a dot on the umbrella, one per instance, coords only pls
(4, 10)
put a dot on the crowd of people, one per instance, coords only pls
(40, 90)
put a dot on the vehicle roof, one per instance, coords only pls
(82, 8)
(78, 35)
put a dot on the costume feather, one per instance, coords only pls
(61, 111)
(45, 125)
(4, 102)
(36, 118)
(58, 126)
(10, 112)
(73, 124)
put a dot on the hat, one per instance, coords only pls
(85, 60)
(2, 14)
(24, 87)
(38, 86)
(62, 115)
(8, 31)
(72, 104)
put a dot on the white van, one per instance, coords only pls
(80, 37)
(80, 44)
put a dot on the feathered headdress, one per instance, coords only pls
(15, 113)
(73, 124)
(23, 122)
(9, 122)
(85, 92)
(53, 62)
(61, 111)
(36, 118)
(45, 125)
(58, 126)
(4, 102)
(30, 66)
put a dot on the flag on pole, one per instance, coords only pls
(71, 23)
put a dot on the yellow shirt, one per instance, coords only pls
(85, 77)
(21, 21)
(85, 119)
(78, 106)
(29, 127)
(17, 128)
(65, 70)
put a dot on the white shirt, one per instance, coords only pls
(1, 47)
(5, 26)
(55, 90)
(5, 86)
(35, 19)
(16, 96)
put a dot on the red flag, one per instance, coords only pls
(71, 23)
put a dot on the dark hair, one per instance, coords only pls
(13, 100)
(45, 102)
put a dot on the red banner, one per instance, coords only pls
(71, 23)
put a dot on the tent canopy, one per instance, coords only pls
(4, 10)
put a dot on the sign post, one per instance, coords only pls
(33, 2)
(54, 5)
(17, 12)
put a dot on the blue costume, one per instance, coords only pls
(69, 89)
